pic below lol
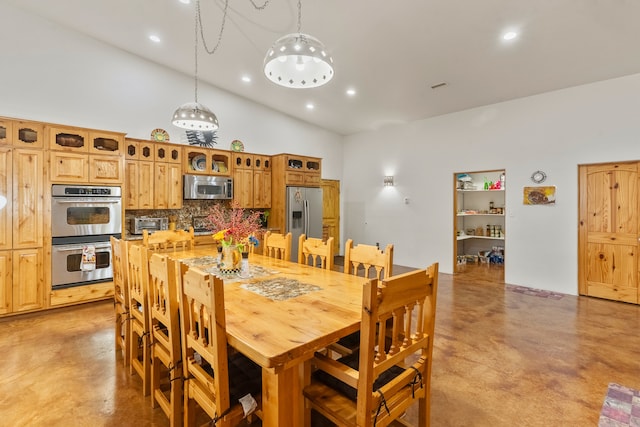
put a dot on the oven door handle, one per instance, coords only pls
(73, 248)
(96, 201)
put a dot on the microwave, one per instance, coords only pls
(147, 223)
(207, 187)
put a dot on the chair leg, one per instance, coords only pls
(189, 409)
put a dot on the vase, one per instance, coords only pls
(230, 259)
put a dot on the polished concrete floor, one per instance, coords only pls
(502, 357)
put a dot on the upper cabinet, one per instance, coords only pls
(298, 170)
(252, 180)
(21, 133)
(79, 155)
(206, 161)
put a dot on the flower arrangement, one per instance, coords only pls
(234, 225)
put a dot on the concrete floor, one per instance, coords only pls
(502, 358)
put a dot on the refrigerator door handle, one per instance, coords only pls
(306, 217)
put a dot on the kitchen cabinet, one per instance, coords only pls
(21, 133)
(6, 283)
(22, 223)
(6, 191)
(479, 215)
(168, 188)
(6, 131)
(85, 156)
(290, 170)
(28, 281)
(252, 180)
(206, 161)
(28, 193)
(153, 175)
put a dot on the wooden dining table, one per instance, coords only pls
(279, 317)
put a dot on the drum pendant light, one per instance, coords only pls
(298, 60)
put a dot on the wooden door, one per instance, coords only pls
(174, 180)
(105, 169)
(331, 211)
(608, 231)
(145, 185)
(28, 193)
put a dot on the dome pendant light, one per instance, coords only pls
(193, 115)
(298, 60)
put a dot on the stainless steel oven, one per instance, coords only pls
(83, 217)
(66, 263)
(83, 210)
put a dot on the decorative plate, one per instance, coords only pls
(237, 145)
(159, 135)
(198, 162)
(538, 177)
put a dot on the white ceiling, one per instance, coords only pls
(390, 51)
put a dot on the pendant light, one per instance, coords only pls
(298, 60)
(193, 115)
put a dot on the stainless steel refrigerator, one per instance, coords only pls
(304, 215)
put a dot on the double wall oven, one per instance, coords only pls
(83, 216)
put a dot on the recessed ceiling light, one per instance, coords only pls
(185, 1)
(246, 79)
(351, 92)
(509, 35)
(154, 38)
(310, 106)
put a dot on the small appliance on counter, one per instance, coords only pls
(138, 224)
(200, 225)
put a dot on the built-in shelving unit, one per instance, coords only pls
(479, 212)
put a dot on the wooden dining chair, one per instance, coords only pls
(313, 251)
(277, 245)
(121, 298)
(166, 349)
(166, 239)
(392, 370)
(215, 378)
(138, 279)
(370, 262)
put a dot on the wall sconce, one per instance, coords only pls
(388, 181)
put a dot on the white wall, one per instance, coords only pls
(553, 132)
(51, 74)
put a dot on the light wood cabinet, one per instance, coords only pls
(28, 193)
(206, 161)
(28, 134)
(139, 188)
(6, 191)
(252, 180)
(153, 175)
(101, 142)
(168, 189)
(6, 283)
(6, 131)
(68, 167)
(290, 170)
(84, 156)
(28, 281)
(22, 227)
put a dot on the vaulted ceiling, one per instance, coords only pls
(390, 52)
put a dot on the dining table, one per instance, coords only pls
(279, 315)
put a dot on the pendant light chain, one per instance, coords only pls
(224, 21)
(196, 47)
(299, 15)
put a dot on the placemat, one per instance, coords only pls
(621, 407)
(280, 289)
